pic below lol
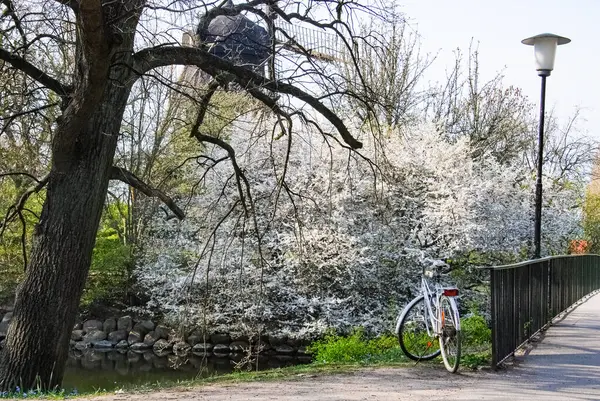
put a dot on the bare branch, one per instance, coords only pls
(72, 4)
(22, 113)
(16, 209)
(38, 75)
(10, 10)
(148, 59)
(20, 173)
(117, 173)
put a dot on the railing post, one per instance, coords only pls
(493, 296)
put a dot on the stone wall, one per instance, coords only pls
(129, 334)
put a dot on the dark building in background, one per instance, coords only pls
(237, 39)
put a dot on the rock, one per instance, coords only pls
(2, 343)
(221, 350)
(135, 337)
(94, 335)
(161, 352)
(140, 329)
(277, 340)
(304, 359)
(109, 325)
(104, 344)
(269, 352)
(162, 345)
(203, 354)
(77, 335)
(7, 317)
(76, 353)
(150, 338)
(173, 337)
(123, 344)
(162, 332)
(220, 338)
(148, 325)
(284, 358)
(239, 346)
(78, 326)
(193, 340)
(72, 343)
(239, 337)
(302, 350)
(116, 336)
(93, 324)
(198, 331)
(294, 342)
(284, 350)
(81, 345)
(202, 347)
(125, 323)
(181, 348)
(3, 329)
(261, 346)
(139, 346)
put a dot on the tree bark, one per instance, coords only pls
(83, 148)
(47, 301)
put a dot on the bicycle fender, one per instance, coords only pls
(405, 311)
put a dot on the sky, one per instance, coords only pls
(498, 28)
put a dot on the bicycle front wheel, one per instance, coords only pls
(415, 341)
(450, 333)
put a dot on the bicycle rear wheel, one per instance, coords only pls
(450, 343)
(411, 328)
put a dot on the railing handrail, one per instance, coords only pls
(532, 261)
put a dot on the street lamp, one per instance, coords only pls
(544, 46)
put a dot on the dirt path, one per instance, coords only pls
(398, 384)
(418, 383)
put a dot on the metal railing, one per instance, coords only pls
(526, 296)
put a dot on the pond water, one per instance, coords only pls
(108, 370)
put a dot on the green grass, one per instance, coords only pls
(46, 395)
(357, 349)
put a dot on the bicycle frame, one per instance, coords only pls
(433, 322)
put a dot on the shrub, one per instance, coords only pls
(355, 348)
(476, 332)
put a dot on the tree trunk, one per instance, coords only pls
(47, 300)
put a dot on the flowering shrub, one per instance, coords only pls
(579, 246)
(321, 237)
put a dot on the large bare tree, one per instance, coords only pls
(82, 57)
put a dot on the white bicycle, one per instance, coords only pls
(430, 324)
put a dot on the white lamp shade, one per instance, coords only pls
(545, 53)
(544, 46)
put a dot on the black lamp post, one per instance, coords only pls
(545, 50)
